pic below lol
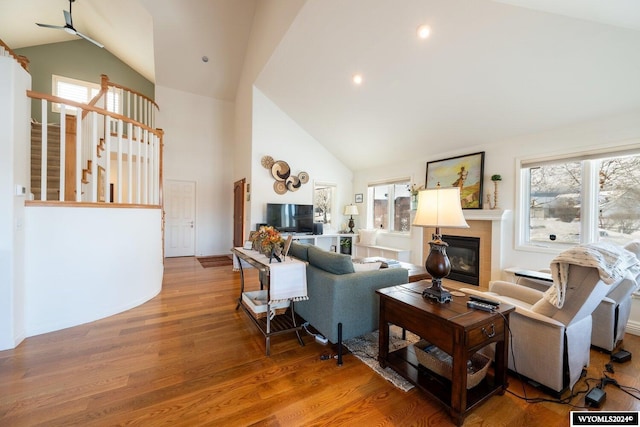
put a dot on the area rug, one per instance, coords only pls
(215, 261)
(365, 348)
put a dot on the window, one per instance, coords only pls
(390, 205)
(83, 92)
(581, 199)
(323, 197)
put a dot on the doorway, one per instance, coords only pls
(238, 212)
(180, 207)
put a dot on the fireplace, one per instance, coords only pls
(464, 255)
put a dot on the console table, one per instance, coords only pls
(454, 328)
(279, 324)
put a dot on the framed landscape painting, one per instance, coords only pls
(465, 172)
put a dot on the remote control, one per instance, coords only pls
(480, 306)
(484, 300)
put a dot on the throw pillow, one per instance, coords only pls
(299, 250)
(366, 266)
(330, 261)
(368, 237)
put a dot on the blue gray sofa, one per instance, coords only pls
(337, 294)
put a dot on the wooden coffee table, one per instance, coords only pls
(454, 328)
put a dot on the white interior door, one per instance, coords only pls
(180, 207)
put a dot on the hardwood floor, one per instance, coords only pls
(188, 358)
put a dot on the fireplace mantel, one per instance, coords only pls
(485, 214)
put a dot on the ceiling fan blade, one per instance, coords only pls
(87, 38)
(67, 18)
(50, 26)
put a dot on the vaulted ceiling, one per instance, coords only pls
(490, 69)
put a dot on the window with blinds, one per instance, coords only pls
(82, 92)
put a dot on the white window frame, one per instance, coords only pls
(589, 205)
(390, 207)
(333, 188)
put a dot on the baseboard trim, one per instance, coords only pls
(633, 327)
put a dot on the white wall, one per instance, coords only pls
(14, 163)
(198, 146)
(275, 134)
(271, 21)
(73, 279)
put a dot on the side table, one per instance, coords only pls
(456, 329)
(288, 322)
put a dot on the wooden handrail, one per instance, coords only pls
(105, 82)
(22, 60)
(101, 205)
(94, 100)
(86, 107)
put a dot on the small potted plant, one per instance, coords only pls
(345, 246)
(495, 178)
(414, 196)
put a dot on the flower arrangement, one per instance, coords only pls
(268, 240)
(415, 190)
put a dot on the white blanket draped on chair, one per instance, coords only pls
(613, 263)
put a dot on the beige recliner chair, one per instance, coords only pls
(612, 314)
(550, 345)
(609, 319)
(551, 330)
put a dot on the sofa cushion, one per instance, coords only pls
(366, 266)
(299, 250)
(330, 261)
(368, 237)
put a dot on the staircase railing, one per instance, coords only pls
(6, 51)
(122, 165)
(135, 105)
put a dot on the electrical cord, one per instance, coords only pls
(606, 379)
(304, 326)
(567, 400)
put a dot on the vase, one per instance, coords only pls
(275, 254)
(414, 202)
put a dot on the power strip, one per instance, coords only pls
(321, 339)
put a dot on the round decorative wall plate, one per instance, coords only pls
(280, 170)
(304, 177)
(267, 162)
(280, 187)
(293, 183)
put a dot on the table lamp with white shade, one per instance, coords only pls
(439, 207)
(351, 210)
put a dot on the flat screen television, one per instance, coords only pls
(290, 218)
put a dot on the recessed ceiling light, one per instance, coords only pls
(423, 31)
(357, 79)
